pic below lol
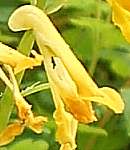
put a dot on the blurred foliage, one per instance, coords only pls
(86, 26)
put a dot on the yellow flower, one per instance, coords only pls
(72, 88)
(121, 16)
(66, 123)
(26, 116)
(28, 17)
(17, 60)
(24, 109)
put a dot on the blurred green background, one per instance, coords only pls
(87, 27)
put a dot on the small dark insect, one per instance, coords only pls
(53, 62)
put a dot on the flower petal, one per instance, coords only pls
(110, 98)
(115, 101)
(66, 124)
(24, 109)
(121, 16)
(9, 134)
(123, 3)
(17, 60)
(67, 89)
(66, 146)
(36, 123)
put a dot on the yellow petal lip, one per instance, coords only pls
(121, 16)
(125, 4)
(110, 98)
(115, 100)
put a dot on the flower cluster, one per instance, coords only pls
(14, 62)
(72, 88)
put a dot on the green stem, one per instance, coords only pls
(33, 2)
(94, 61)
(96, 41)
(38, 88)
(25, 46)
(41, 4)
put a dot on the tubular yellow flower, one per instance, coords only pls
(65, 121)
(17, 60)
(66, 88)
(121, 16)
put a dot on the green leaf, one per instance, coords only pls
(83, 8)
(31, 144)
(85, 132)
(126, 97)
(110, 45)
(119, 57)
(6, 103)
(117, 138)
(86, 129)
(110, 36)
(3, 148)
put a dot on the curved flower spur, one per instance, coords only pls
(70, 83)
